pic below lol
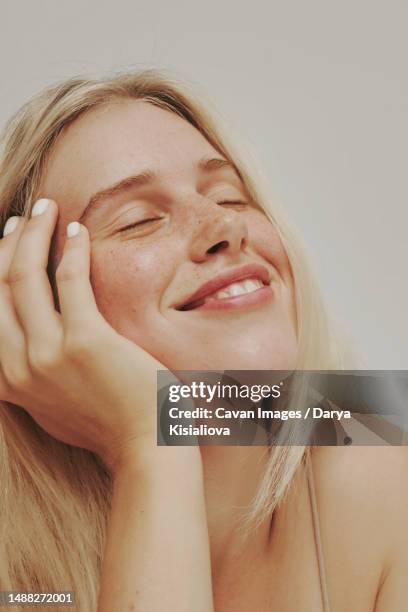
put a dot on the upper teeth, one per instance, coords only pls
(245, 286)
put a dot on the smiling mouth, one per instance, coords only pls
(227, 293)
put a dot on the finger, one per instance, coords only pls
(28, 280)
(77, 300)
(11, 235)
(12, 339)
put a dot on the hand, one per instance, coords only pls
(79, 379)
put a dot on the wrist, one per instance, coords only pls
(147, 457)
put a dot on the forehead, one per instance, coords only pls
(103, 145)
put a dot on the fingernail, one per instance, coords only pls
(39, 207)
(72, 229)
(10, 226)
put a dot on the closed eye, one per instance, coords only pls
(138, 224)
(234, 203)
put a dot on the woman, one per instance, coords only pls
(140, 200)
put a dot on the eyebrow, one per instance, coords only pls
(147, 177)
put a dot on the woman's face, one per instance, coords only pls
(179, 223)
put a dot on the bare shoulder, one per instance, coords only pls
(364, 479)
(362, 494)
(363, 473)
(342, 457)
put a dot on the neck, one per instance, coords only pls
(232, 475)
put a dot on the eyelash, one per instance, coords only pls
(138, 223)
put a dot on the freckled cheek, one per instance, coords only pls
(124, 286)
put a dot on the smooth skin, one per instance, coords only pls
(169, 537)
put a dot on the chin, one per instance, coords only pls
(254, 362)
(268, 353)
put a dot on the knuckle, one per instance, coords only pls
(17, 273)
(79, 345)
(66, 272)
(17, 379)
(43, 360)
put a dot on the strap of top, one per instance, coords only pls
(317, 535)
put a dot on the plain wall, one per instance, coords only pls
(318, 89)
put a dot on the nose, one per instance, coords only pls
(219, 229)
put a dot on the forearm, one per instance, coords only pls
(157, 549)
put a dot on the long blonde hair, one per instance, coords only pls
(55, 498)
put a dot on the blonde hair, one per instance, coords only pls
(55, 498)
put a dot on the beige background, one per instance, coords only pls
(320, 91)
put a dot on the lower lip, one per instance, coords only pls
(245, 300)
